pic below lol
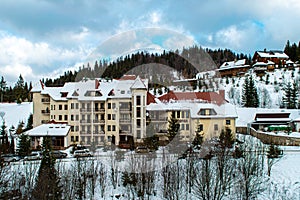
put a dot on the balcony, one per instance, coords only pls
(46, 112)
(98, 121)
(99, 110)
(127, 121)
(45, 121)
(46, 100)
(86, 121)
(85, 110)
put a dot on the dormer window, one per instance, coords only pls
(64, 94)
(111, 93)
(88, 94)
(98, 94)
(207, 111)
(75, 94)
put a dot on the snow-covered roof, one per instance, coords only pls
(88, 90)
(224, 110)
(270, 62)
(272, 54)
(273, 119)
(289, 62)
(247, 115)
(49, 130)
(138, 84)
(233, 64)
(260, 64)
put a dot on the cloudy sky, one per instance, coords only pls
(44, 38)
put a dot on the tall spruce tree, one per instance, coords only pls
(173, 128)
(47, 186)
(250, 96)
(23, 145)
(290, 98)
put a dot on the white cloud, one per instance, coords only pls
(19, 55)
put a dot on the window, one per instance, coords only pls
(187, 114)
(216, 127)
(200, 128)
(51, 107)
(122, 91)
(59, 107)
(138, 112)
(113, 105)
(227, 121)
(109, 117)
(60, 117)
(138, 134)
(178, 114)
(72, 117)
(72, 105)
(138, 100)
(66, 107)
(202, 112)
(72, 128)
(83, 105)
(77, 105)
(187, 127)
(109, 128)
(212, 112)
(113, 128)
(76, 138)
(138, 122)
(109, 106)
(182, 127)
(66, 117)
(101, 105)
(77, 117)
(72, 138)
(76, 128)
(113, 117)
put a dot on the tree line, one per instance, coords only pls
(293, 51)
(188, 62)
(18, 93)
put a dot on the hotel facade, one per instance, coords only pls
(101, 112)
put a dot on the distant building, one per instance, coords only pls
(277, 57)
(233, 68)
(267, 120)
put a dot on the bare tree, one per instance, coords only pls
(102, 178)
(251, 176)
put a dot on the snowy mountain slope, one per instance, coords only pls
(270, 87)
(15, 113)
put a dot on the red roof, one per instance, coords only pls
(127, 77)
(150, 98)
(211, 97)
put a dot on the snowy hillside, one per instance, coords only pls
(15, 113)
(269, 87)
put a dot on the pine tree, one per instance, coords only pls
(24, 145)
(47, 186)
(2, 87)
(250, 95)
(294, 96)
(173, 128)
(4, 139)
(226, 138)
(290, 98)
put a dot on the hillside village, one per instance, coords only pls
(124, 111)
(118, 118)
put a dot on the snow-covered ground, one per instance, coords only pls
(15, 113)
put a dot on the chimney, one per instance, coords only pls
(222, 93)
